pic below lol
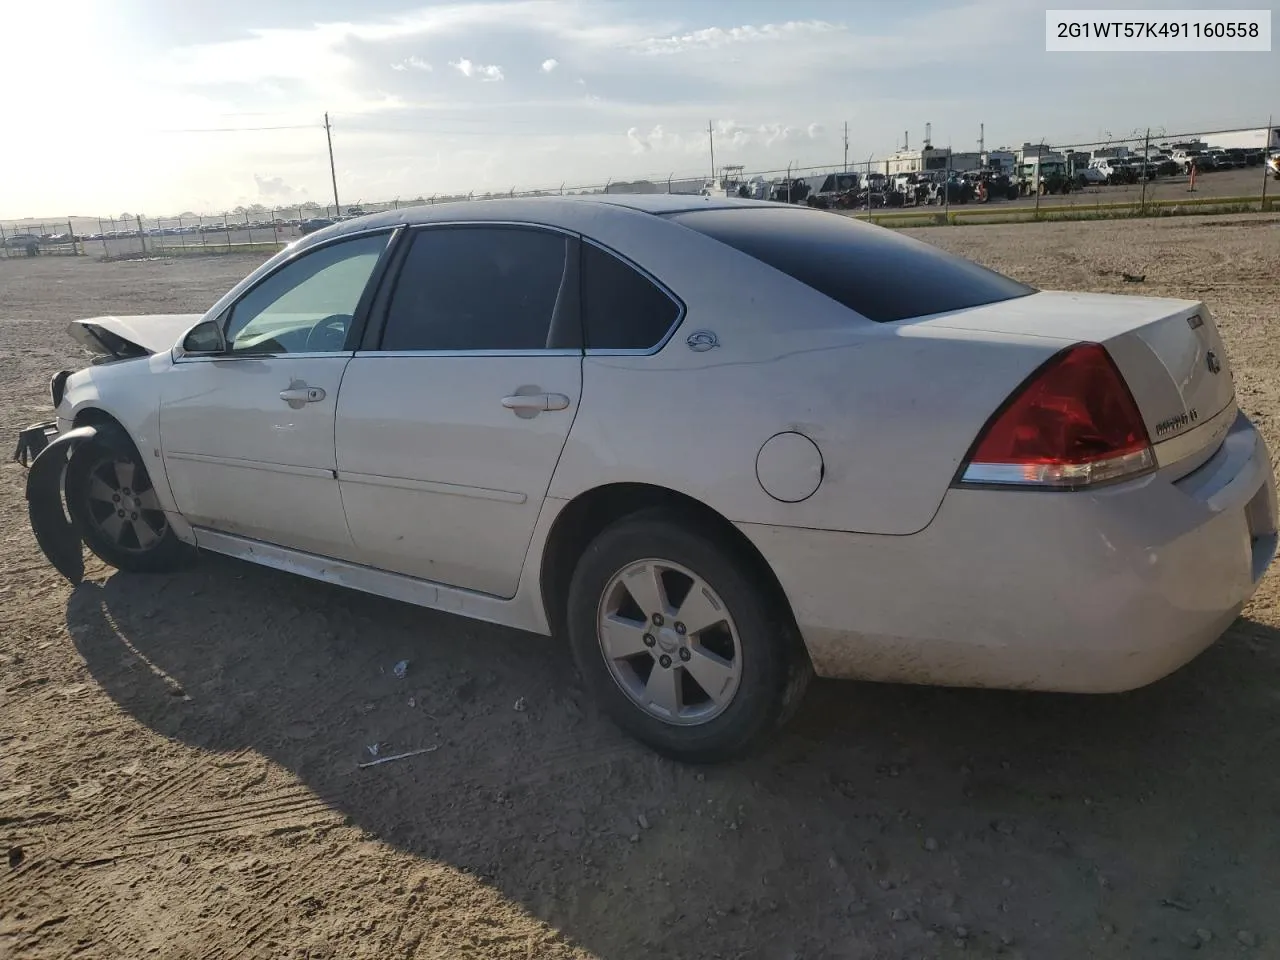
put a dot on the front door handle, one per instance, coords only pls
(529, 405)
(301, 394)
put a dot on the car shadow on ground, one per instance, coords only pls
(886, 821)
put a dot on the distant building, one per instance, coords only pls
(960, 162)
(1002, 160)
(918, 161)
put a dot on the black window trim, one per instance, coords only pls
(371, 344)
(681, 309)
(358, 321)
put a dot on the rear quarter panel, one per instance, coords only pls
(892, 407)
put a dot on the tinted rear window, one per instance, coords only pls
(622, 309)
(877, 272)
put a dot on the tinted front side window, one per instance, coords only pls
(483, 288)
(623, 309)
(874, 271)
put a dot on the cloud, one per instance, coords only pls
(728, 133)
(715, 37)
(549, 65)
(275, 188)
(659, 139)
(468, 68)
(412, 63)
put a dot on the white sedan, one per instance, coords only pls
(720, 445)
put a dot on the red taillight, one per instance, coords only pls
(1073, 424)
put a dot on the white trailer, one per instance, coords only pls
(1259, 139)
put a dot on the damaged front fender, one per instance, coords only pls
(57, 536)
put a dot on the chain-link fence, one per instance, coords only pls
(1145, 173)
(37, 238)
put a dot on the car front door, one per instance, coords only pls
(451, 421)
(247, 434)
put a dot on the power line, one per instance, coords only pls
(300, 126)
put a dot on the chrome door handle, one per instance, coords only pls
(302, 395)
(536, 402)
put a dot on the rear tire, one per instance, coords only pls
(113, 504)
(700, 692)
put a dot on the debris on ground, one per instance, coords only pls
(400, 669)
(400, 756)
(520, 705)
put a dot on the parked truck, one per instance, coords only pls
(1044, 175)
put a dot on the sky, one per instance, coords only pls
(159, 107)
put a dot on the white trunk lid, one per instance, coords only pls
(1168, 351)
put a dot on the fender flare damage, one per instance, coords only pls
(57, 536)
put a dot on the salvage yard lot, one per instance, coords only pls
(179, 754)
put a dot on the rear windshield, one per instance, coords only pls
(872, 270)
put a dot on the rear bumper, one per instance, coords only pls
(1087, 592)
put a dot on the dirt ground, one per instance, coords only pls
(179, 754)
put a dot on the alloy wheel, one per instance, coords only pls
(669, 642)
(129, 517)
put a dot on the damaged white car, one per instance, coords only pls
(720, 445)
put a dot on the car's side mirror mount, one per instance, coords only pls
(204, 339)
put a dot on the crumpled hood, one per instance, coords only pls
(132, 336)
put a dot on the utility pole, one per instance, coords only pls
(982, 138)
(1146, 165)
(846, 146)
(711, 139)
(1266, 152)
(333, 173)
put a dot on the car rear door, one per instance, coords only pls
(247, 435)
(452, 417)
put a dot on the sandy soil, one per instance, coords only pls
(178, 754)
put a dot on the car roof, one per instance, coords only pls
(552, 210)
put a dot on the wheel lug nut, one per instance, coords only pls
(115, 497)
(119, 513)
(685, 654)
(649, 640)
(133, 516)
(680, 628)
(664, 660)
(657, 620)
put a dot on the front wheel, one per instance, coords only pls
(116, 511)
(680, 641)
